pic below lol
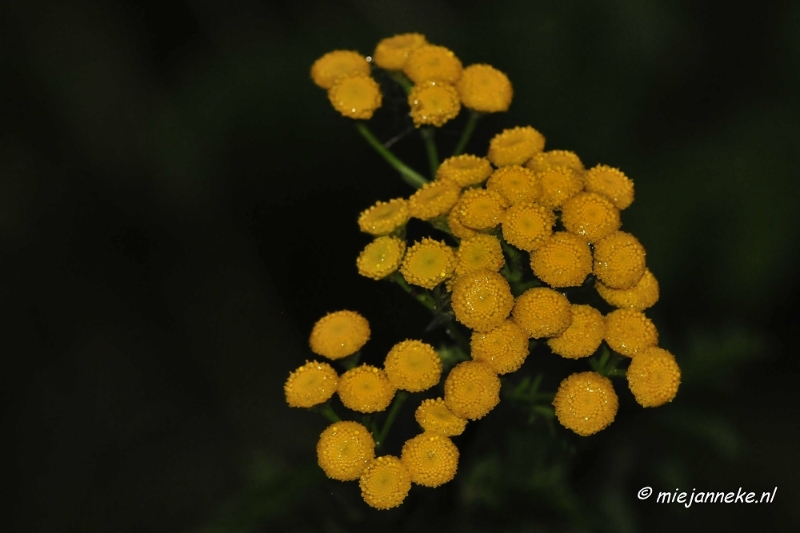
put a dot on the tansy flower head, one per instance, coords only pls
(431, 459)
(481, 252)
(339, 334)
(365, 389)
(515, 146)
(641, 296)
(434, 416)
(611, 183)
(311, 384)
(480, 209)
(654, 377)
(471, 390)
(431, 62)
(384, 217)
(504, 348)
(433, 200)
(482, 300)
(381, 257)
(586, 403)
(619, 260)
(564, 260)
(385, 482)
(344, 450)
(590, 215)
(485, 89)
(555, 158)
(559, 184)
(428, 263)
(433, 102)
(413, 366)
(628, 332)
(392, 52)
(515, 183)
(542, 312)
(333, 65)
(457, 228)
(464, 170)
(356, 96)
(528, 225)
(583, 336)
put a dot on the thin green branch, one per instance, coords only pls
(327, 411)
(397, 403)
(428, 135)
(423, 298)
(408, 174)
(467, 133)
(403, 81)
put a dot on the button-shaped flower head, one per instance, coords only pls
(365, 389)
(481, 209)
(431, 62)
(542, 312)
(431, 459)
(504, 348)
(356, 96)
(482, 300)
(564, 260)
(385, 482)
(590, 215)
(471, 390)
(433, 416)
(611, 183)
(583, 336)
(586, 403)
(413, 366)
(559, 184)
(433, 103)
(344, 450)
(515, 183)
(464, 170)
(433, 200)
(619, 260)
(339, 334)
(555, 158)
(311, 384)
(428, 263)
(480, 252)
(528, 225)
(333, 65)
(628, 332)
(654, 377)
(384, 217)
(641, 296)
(381, 257)
(515, 146)
(485, 89)
(392, 52)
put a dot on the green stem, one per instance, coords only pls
(397, 403)
(409, 175)
(327, 411)
(467, 133)
(430, 146)
(403, 81)
(421, 297)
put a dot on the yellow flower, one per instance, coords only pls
(590, 215)
(542, 312)
(413, 366)
(564, 260)
(555, 158)
(504, 348)
(641, 296)
(559, 184)
(431, 62)
(457, 228)
(583, 336)
(433, 102)
(311, 384)
(365, 389)
(434, 416)
(433, 200)
(482, 300)
(515, 183)
(392, 52)
(619, 260)
(628, 332)
(471, 390)
(654, 377)
(480, 209)
(611, 183)
(485, 89)
(586, 403)
(333, 65)
(344, 450)
(481, 252)
(431, 459)
(385, 483)
(356, 96)
(464, 170)
(381, 257)
(515, 146)
(428, 263)
(528, 225)
(339, 334)
(384, 217)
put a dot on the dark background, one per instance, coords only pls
(177, 208)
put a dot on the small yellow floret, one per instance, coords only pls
(504, 348)
(471, 390)
(433, 200)
(384, 217)
(365, 389)
(433, 103)
(619, 260)
(628, 332)
(392, 52)
(583, 336)
(385, 483)
(457, 228)
(481, 252)
(611, 183)
(311, 384)
(654, 377)
(564, 260)
(381, 257)
(431, 459)
(485, 89)
(559, 184)
(464, 170)
(641, 296)
(516, 184)
(355, 96)
(344, 450)
(431, 62)
(428, 263)
(515, 146)
(333, 65)
(434, 416)
(413, 366)
(586, 403)
(555, 158)
(590, 215)
(480, 209)
(339, 334)
(542, 312)
(482, 300)
(528, 225)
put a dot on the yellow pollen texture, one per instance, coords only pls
(428, 263)
(641, 296)
(542, 312)
(381, 257)
(586, 403)
(504, 348)
(654, 377)
(481, 209)
(464, 170)
(385, 482)
(355, 96)
(559, 184)
(433, 103)
(333, 65)
(590, 215)
(528, 225)
(484, 88)
(628, 332)
(611, 183)
(564, 260)
(339, 334)
(311, 384)
(480, 252)
(515, 183)
(384, 217)
(431, 62)
(433, 416)
(583, 336)
(515, 146)
(482, 300)
(413, 366)
(392, 52)
(433, 200)
(619, 260)
(344, 450)
(365, 389)
(431, 459)
(555, 158)
(457, 228)
(471, 390)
